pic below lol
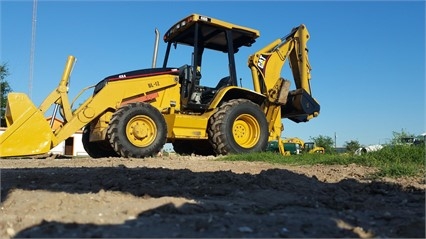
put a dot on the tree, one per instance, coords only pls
(352, 145)
(398, 136)
(4, 90)
(324, 141)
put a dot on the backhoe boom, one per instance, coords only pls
(266, 65)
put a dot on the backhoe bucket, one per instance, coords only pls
(28, 132)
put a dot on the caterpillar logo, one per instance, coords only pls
(261, 62)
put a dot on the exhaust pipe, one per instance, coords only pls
(157, 38)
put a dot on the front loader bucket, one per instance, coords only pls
(28, 132)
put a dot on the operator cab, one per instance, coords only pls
(201, 33)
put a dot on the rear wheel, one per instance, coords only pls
(239, 126)
(97, 149)
(137, 130)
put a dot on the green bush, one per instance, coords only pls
(399, 160)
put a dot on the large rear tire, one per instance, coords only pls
(239, 126)
(137, 130)
(99, 149)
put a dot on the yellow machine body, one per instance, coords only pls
(133, 114)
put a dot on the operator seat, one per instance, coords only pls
(209, 92)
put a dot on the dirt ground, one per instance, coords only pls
(184, 196)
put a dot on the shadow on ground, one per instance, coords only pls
(273, 203)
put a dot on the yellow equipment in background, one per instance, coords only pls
(306, 147)
(133, 114)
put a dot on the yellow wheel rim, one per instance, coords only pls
(246, 131)
(141, 131)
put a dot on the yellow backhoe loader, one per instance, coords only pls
(295, 146)
(306, 147)
(133, 114)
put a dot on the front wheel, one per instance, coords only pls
(97, 149)
(239, 126)
(137, 130)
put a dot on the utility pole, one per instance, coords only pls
(335, 140)
(33, 38)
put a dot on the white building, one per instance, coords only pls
(71, 146)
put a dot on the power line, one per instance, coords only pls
(33, 36)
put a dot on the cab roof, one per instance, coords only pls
(212, 33)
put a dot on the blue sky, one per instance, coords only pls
(368, 57)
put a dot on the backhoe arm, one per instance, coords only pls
(266, 65)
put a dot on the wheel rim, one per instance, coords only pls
(140, 131)
(246, 131)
